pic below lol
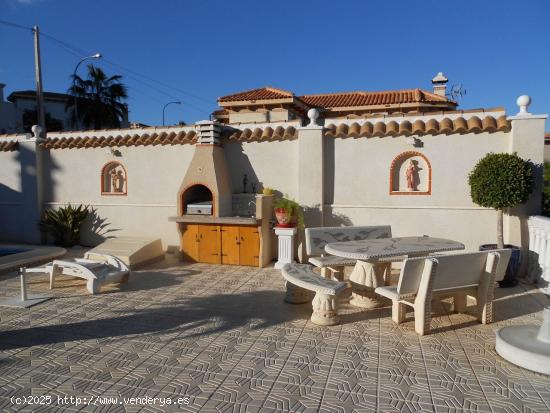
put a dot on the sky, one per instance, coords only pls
(195, 51)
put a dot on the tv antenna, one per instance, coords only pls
(457, 92)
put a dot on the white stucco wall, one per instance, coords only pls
(362, 168)
(11, 217)
(154, 176)
(273, 164)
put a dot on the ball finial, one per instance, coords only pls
(313, 115)
(36, 131)
(523, 102)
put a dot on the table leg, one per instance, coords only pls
(365, 277)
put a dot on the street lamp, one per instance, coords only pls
(94, 56)
(176, 102)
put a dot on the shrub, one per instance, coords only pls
(499, 181)
(64, 224)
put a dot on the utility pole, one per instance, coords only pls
(38, 77)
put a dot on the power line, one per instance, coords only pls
(129, 73)
(159, 82)
(18, 26)
(169, 95)
(132, 74)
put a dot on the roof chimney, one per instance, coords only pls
(440, 84)
(2, 86)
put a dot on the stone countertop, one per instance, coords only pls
(209, 219)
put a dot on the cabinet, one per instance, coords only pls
(249, 246)
(190, 242)
(230, 244)
(209, 244)
(221, 244)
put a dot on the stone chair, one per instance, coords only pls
(457, 275)
(300, 280)
(317, 238)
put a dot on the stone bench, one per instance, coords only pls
(317, 238)
(300, 280)
(452, 275)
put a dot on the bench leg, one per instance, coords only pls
(459, 303)
(325, 310)
(423, 318)
(296, 295)
(485, 306)
(398, 312)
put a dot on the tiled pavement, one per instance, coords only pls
(223, 337)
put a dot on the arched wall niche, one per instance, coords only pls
(410, 174)
(114, 179)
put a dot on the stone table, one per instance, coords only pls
(370, 255)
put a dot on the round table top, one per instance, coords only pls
(373, 249)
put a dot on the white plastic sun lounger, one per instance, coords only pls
(97, 269)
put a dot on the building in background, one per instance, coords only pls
(18, 111)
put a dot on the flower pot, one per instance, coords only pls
(284, 219)
(267, 191)
(511, 277)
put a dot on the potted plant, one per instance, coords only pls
(499, 181)
(288, 213)
(267, 190)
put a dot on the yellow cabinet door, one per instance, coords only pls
(249, 248)
(209, 244)
(190, 243)
(230, 244)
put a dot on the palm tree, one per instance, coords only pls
(99, 99)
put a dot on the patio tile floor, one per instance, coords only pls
(223, 337)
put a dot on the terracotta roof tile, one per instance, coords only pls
(390, 97)
(101, 141)
(430, 127)
(264, 93)
(263, 135)
(8, 146)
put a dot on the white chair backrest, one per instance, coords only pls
(458, 270)
(410, 276)
(317, 238)
(452, 270)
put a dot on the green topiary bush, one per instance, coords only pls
(499, 181)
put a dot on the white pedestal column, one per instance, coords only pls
(286, 246)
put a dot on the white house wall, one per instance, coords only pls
(11, 217)
(273, 164)
(154, 174)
